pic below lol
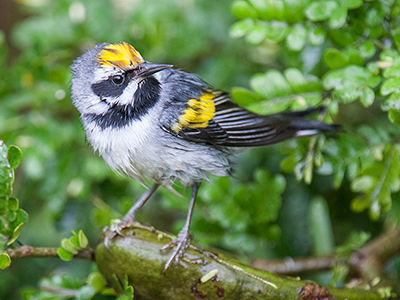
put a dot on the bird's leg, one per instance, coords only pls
(129, 218)
(183, 239)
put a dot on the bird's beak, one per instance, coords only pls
(150, 69)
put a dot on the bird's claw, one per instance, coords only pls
(182, 242)
(115, 230)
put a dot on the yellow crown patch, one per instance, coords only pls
(121, 55)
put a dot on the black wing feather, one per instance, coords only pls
(234, 126)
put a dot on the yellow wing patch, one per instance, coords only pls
(197, 114)
(121, 55)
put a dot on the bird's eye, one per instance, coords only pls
(118, 79)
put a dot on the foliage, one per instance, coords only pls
(298, 53)
(70, 247)
(12, 218)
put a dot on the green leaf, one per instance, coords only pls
(83, 241)
(241, 28)
(14, 156)
(259, 83)
(97, 281)
(257, 34)
(261, 8)
(367, 96)
(243, 96)
(367, 50)
(278, 82)
(243, 10)
(5, 261)
(347, 94)
(296, 79)
(363, 184)
(374, 81)
(390, 86)
(85, 293)
(75, 241)
(359, 204)
(394, 116)
(338, 17)
(16, 233)
(320, 11)
(321, 227)
(69, 246)
(296, 39)
(334, 59)
(13, 204)
(64, 254)
(276, 31)
(317, 36)
(353, 4)
(393, 71)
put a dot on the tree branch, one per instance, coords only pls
(43, 252)
(294, 266)
(203, 275)
(368, 262)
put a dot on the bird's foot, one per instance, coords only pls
(116, 230)
(182, 242)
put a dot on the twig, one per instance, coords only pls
(294, 266)
(369, 261)
(43, 252)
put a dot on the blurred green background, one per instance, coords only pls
(261, 212)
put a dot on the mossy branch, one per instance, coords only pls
(203, 274)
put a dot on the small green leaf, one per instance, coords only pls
(320, 11)
(367, 50)
(367, 96)
(13, 204)
(14, 156)
(390, 86)
(85, 293)
(243, 10)
(321, 227)
(260, 84)
(359, 204)
(241, 28)
(74, 241)
(317, 36)
(64, 254)
(257, 34)
(97, 281)
(296, 39)
(338, 17)
(243, 96)
(16, 233)
(276, 80)
(347, 94)
(394, 116)
(353, 4)
(68, 246)
(83, 241)
(296, 79)
(363, 184)
(276, 31)
(5, 261)
(393, 71)
(374, 81)
(334, 59)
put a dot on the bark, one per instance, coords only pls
(207, 275)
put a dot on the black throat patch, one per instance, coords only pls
(117, 116)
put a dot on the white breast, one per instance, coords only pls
(144, 150)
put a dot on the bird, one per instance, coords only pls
(152, 122)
